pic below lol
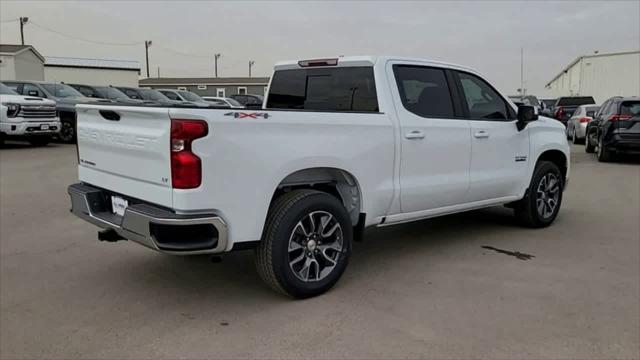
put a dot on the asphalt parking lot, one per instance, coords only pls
(441, 288)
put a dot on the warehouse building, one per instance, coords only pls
(221, 87)
(20, 62)
(599, 75)
(91, 71)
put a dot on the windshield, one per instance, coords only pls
(5, 90)
(548, 102)
(190, 96)
(576, 100)
(61, 90)
(112, 93)
(233, 102)
(149, 94)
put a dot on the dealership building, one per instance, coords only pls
(24, 62)
(599, 75)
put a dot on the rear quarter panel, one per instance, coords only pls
(244, 159)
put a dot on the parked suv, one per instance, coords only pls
(248, 100)
(342, 144)
(29, 118)
(186, 96)
(566, 105)
(615, 128)
(65, 97)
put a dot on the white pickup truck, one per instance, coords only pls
(27, 118)
(340, 144)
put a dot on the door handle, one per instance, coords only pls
(416, 134)
(482, 134)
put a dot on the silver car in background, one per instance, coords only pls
(577, 123)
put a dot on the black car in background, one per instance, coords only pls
(615, 128)
(149, 95)
(249, 101)
(566, 105)
(105, 92)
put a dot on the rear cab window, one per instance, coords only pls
(324, 89)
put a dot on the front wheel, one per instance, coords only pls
(306, 244)
(541, 204)
(67, 131)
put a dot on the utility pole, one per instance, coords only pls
(215, 62)
(23, 20)
(158, 71)
(251, 62)
(522, 90)
(147, 45)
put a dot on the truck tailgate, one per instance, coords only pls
(126, 150)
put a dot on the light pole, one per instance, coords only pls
(23, 20)
(147, 45)
(215, 63)
(251, 62)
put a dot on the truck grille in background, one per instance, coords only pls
(37, 112)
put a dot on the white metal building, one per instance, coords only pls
(20, 62)
(599, 75)
(91, 71)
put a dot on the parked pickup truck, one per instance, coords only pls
(340, 144)
(27, 118)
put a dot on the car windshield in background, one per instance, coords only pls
(592, 108)
(327, 89)
(62, 90)
(190, 96)
(576, 100)
(630, 108)
(233, 102)
(549, 102)
(149, 94)
(5, 90)
(112, 93)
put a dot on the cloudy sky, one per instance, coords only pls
(486, 35)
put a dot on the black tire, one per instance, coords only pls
(40, 141)
(574, 138)
(604, 155)
(67, 132)
(526, 210)
(273, 252)
(588, 145)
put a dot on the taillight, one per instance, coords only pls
(585, 119)
(186, 168)
(559, 113)
(619, 117)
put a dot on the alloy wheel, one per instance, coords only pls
(548, 194)
(315, 245)
(66, 131)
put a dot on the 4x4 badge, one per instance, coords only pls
(242, 115)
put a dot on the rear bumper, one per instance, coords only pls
(623, 143)
(149, 225)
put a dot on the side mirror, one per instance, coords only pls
(526, 114)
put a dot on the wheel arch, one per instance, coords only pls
(558, 157)
(338, 182)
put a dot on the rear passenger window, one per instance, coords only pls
(424, 91)
(482, 101)
(327, 89)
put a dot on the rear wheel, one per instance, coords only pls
(306, 244)
(589, 141)
(604, 155)
(541, 204)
